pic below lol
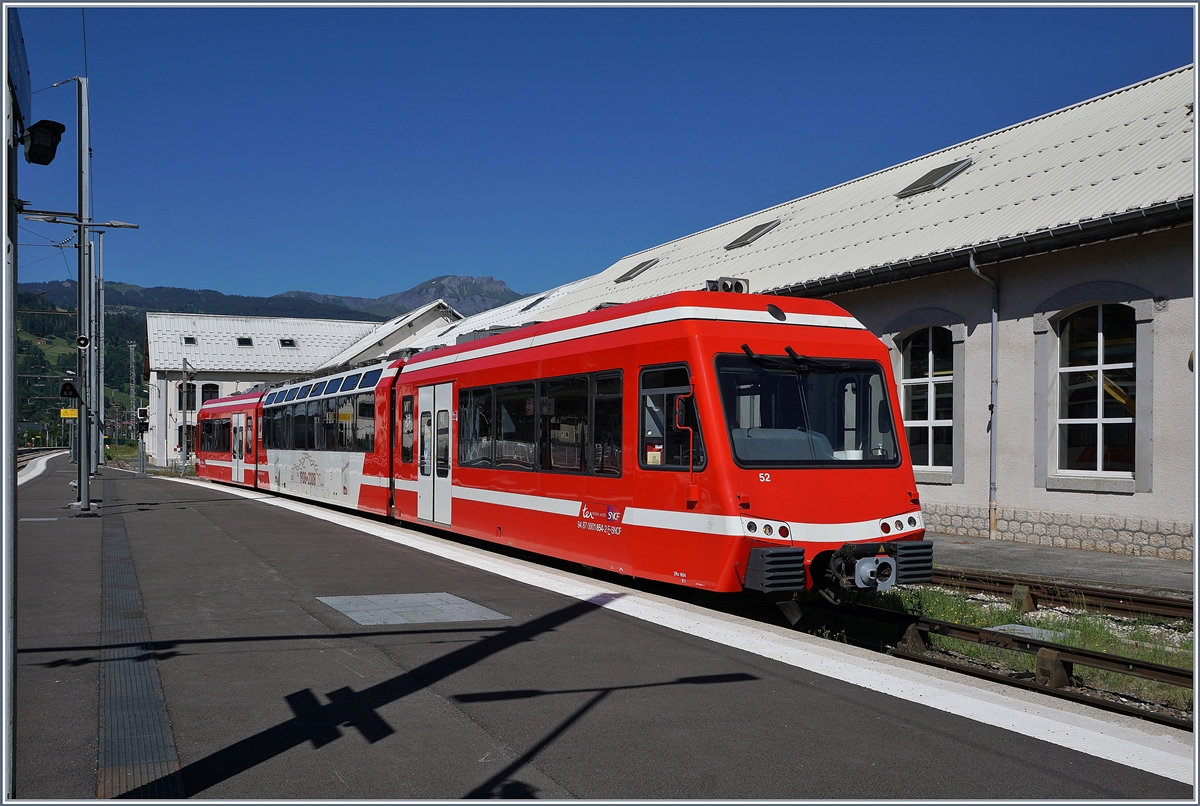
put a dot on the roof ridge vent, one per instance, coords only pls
(753, 234)
(935, 178)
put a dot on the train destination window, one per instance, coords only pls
(474, 427)
(406, 429)
(795, 412)
(563, 437)
(663, 445)
(606, 416)
(516, 425)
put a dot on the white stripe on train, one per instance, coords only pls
(676, 314)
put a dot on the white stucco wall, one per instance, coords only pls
(1162, 264)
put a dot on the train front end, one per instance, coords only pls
(821, 476)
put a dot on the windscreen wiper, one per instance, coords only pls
(798, 363)
(767, 360)
(804, 360)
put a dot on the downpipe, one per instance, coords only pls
(992, 406)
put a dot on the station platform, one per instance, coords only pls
(196, 640)
(1051, 562)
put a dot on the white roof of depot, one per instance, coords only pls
(216, 348)
(1123, 151)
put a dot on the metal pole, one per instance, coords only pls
(96, 399)
(103, 418)
(995, 387)
(9, 417)
(85, 283)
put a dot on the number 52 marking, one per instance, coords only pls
(764, 476)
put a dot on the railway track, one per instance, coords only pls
(1054, 662)
(1073, 594)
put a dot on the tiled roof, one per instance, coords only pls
(1124, 153)
(216, 348)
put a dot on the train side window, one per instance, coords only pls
(563, 428)
(328, 423)
(426, 443)
(606, 419)
(406, 429)
(663, 446)
(516, 426)
(345, 423)
(442, 448)
(364, 428)
(474, 427)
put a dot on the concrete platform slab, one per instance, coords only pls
(583, 691)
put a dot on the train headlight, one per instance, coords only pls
(767, 530)
(899, 525)
(751, 527)
(912, 521)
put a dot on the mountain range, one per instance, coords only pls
(467, 295)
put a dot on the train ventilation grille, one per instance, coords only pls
(775, 570)
(914, 562)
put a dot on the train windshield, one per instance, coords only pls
(792, 411)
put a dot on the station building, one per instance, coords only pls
(1074, 230)
(225, 355)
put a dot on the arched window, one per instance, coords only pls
(209, 391)
(187, 396)
(1097, 390)
(927, 393)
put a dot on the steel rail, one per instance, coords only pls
(1067, 593)
(1184, 678)
(1074, 696)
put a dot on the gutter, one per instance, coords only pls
(1132, 222)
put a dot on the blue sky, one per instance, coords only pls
(359, 152)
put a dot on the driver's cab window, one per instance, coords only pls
(665, 440)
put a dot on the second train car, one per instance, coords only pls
(714, 440)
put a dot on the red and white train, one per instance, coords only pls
(715, 440)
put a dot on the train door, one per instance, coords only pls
(433, 472)
(249, 455)
(235, 439)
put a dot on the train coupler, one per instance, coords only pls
(878, 566)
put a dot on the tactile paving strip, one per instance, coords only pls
(409, 608)
(136, 747)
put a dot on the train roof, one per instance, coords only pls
(365, 377)
(232, 401)
(681, 305)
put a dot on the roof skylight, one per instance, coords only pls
(533, 304)
(245, 341)
(753, 234)
(935, 178)
(636, 270)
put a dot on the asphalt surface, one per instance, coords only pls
(271, 693)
